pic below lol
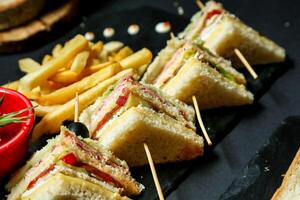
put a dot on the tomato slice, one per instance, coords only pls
(43, 173)
(212, 13)
(70, 159)
(101, 175)
(119, 103)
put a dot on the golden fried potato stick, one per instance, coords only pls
(12, 85)
(123, 53)
(95, 61)
(110, 48)
(71, 49)
(51, 86)
(111, 58)
(56, 50)
(139, 58)
(65, 77)
(46, 59)
(28, 65)
(92, 69)
(141, 70)
(64, 94)
(52, 121)
(80, 62)
(44, 89)
(48, 87)
(41, 110)
(96, 49)
(33, 94)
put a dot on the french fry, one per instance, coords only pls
(96, 49)
(95, 61)
(46, 59)
(41, 110)
(92, 69)
(80, 62)
(111, 58)
(28, 65)
(65, 77)
(33, 94)
(12, 85)
(64, 94)
(112, 46)
(109, 49)
(36, 90)
(141, 70)
(139, 58)
(123, 53)
(56, 50)
(52, 121)
(51, 85)
(72, 48)
(103, 57)
(68, 66)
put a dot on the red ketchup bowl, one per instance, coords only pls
(14, 137)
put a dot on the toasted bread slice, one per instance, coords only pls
(61, 186)
(290, 187)
(209, 86)
(168, 140)
(230, 33)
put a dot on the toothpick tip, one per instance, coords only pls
(76, 111)
(200, 121)
(245, 63)
(153, 171)
(200, 4)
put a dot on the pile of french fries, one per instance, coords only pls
(78, 66)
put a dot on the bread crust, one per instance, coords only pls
(168, 140)
(296, 162)
(61, 186)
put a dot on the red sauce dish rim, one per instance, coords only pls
(27, 125)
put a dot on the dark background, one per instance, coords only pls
(279, 20)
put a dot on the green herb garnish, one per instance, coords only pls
(9, 118)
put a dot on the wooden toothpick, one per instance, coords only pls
(172, 35)
(76, 108)
(200, 4)
(245, 63)
(200, 121)
(153, 171)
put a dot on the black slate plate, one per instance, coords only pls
(263, 174)
(219, 122)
